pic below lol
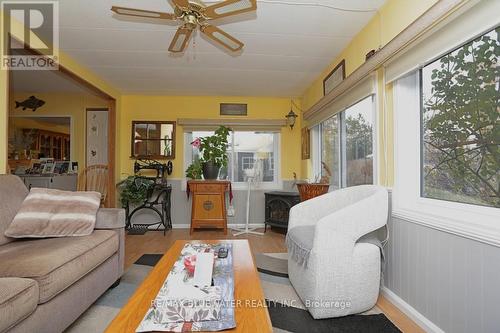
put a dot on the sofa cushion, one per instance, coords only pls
(54, 213)
(56, 263)
(299, 241)
(12, 193)
(18, 299)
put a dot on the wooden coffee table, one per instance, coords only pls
(247, 290)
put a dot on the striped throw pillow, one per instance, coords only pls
(55, 213)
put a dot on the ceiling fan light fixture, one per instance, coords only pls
(194, 14)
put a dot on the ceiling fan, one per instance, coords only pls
(193, 14)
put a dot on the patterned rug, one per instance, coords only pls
(287, 312)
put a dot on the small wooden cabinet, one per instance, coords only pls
(208, 204)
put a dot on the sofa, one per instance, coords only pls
(334, 250)
(46, 284)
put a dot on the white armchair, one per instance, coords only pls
(333, 274)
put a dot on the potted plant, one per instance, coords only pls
(213, 152)
(195, 170)
(133, 190)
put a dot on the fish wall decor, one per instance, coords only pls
(32, 103)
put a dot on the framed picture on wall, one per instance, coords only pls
(306, 143)
(334, 78)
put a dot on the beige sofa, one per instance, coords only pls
(46, 284)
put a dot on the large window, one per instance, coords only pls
(346, 142)
(460, 100)
(246, 150)
(359, 143)
(330, 150)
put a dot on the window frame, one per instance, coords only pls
(316, 141)
(276, 184)
(471, 221)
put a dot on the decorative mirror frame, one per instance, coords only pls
(155, 157)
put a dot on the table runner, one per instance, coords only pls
(161, 318)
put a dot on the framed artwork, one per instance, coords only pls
(61, 167)
(306, 143)
(49, 167)
(73, 167)
(334, 78)
(35, 167)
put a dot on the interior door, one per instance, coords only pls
(97, 137)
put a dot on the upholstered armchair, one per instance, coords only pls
(332, 265)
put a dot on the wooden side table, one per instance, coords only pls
(209, 204)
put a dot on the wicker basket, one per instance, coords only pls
(309, 191)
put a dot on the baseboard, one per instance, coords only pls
(232, 225)
(180, 226)
(411, 312)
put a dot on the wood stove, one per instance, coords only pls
(278, 205)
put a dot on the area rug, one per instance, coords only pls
(287, 312)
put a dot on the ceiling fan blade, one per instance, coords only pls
(182, 4)
(180, 40)
(229, 7)
(221, 37)
(142, 13)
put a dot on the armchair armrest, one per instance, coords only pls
(110, 218)
(355, 220)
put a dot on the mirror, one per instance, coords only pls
(153, 139)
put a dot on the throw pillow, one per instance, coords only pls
(54, 213)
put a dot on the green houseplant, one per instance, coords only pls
(133, 190)
(195, 170)
(213, 152)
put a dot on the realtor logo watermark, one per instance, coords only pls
(30, 35)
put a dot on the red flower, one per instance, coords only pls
(196, 143)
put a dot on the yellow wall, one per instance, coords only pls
(207, 107)
(29, 123)
(73, 67)
(393, 17)
(4, 111)
(63, 104)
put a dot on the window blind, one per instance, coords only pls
(267, 125)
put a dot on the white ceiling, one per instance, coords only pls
(287, 45)
(44, 82)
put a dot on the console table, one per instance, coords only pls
(208, 203)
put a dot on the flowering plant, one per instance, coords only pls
(213, 148)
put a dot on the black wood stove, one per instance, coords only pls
(278, 205)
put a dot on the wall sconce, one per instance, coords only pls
(291, 117)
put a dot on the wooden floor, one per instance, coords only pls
(271, 242)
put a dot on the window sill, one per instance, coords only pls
(481, 233)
